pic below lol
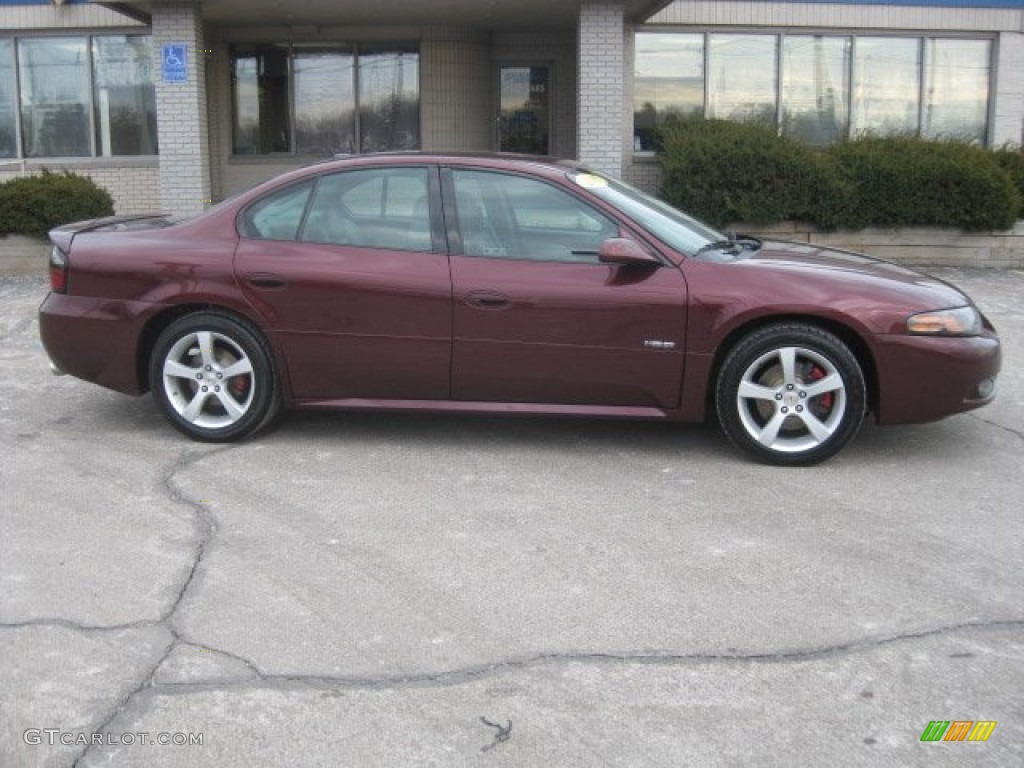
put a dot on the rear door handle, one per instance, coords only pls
(487, 300)
(266, 280)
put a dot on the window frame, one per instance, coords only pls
(355, 48)
(454, 230)
(921, 37)
(94, 155)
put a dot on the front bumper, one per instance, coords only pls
(924, 378)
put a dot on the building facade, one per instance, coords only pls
(174, 104)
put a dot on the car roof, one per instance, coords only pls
(497, 160)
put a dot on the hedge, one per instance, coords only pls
(726, 172)
(33, 205)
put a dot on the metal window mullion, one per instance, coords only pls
(18, 132)
(357, 149)
(293, 138)
(91, 76)
(707, 75)
(779, 40)
(922, 51)
(851, 67)
(990, 107)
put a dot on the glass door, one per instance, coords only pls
(524, 104)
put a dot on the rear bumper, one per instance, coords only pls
(924, 378)
(94, 339)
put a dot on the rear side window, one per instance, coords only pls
(278, 215)
(385, 208)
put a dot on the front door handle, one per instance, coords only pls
(266, 281)
(487, 300)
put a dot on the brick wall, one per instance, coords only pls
(182, 112)
(600, 110)
(1008, 123)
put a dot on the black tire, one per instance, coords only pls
(790, 394)
(220, 390)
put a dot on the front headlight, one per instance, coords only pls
(961, 321)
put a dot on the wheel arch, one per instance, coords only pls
(160, 321)
(848, 335)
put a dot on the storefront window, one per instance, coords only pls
(124, 96)
(668, 85)
(8, 102)
(886, 85)
(828, 87)
(260, 76)
(741, 78)
(55, 96)
(303, 99)
(389, 105)
(815, 88)
(325, 104)
(956, 82)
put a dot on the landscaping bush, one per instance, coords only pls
(908, 181)
(1011, 160)
(33, 205)
(725, 172)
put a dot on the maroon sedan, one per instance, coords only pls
(503, 285)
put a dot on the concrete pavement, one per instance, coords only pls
(370, 589)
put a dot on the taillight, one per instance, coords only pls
(58, 270)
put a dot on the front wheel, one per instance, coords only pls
(790, 394)
(213, 377)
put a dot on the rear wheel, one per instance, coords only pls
(213, 377)
(791, 394)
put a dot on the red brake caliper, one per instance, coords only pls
(827, 398)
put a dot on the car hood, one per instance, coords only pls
(817, 265)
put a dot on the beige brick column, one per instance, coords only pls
(1008, 124)
(600, 96)
(181, 110)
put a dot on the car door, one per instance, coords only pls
(537, 317)
(352, 277)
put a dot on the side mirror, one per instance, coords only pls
(619, 250)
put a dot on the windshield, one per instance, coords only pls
(683, 233)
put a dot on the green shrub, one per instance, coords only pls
(908, 181)
(725, 172)
(1011, 160)
(33, 205)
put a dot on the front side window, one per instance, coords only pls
(513, 217)
(385, 208)
(324, 99)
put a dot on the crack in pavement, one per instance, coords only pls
(205, 527)
(1002, 427)
(469, 673)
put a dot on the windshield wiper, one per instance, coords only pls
(733, 246)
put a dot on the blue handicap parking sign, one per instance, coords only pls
(174, 63)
